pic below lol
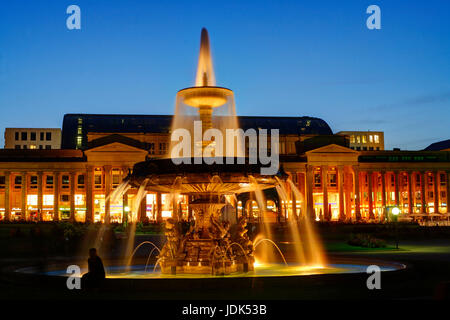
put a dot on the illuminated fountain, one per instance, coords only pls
(209, 247)
(212, 246)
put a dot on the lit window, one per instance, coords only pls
(18, 181)
(32, 146)
(79, 199)
(49, 181)
(65, 182)
(352, 139)
(48, 200)
(317, 179)
(358, 139)
(98, 179)
(33, 182)
(376, 138)
(333, 181)
(371, 138)
(364, 139)
(32, 199)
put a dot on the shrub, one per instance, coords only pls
(366, 240)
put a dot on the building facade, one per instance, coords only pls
(334, 182)
(33, 138)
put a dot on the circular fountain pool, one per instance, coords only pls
(260, 270)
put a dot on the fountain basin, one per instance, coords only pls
(205, 96)
(263, 270)
(195, 178)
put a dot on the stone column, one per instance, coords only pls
(423, 175)
(397, 192)
(73, 176)
(410, 193)
(383, 193)
(39, 201)
(107, 171)
(357, 195)
(341, 193)
(8, 196)
(24, 196)
(90, 194)
(158, 208)
(348, 187)
(326, 213)
(309, 193)
(143, 209)
(56, 196)
(370, 181)
(436, 191)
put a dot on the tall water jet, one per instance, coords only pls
(213, 106)
(205, 72)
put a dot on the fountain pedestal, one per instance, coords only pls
(208, 246)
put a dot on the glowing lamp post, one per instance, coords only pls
(396, 211)
(126, 209)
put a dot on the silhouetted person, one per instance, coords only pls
(96, 272)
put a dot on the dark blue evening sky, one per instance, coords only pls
(282, 58)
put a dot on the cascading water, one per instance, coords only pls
(210, 245)
(267, 253)
(307, 245)
(133, 219)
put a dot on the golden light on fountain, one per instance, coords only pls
(205, 95)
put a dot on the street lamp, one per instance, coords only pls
(395, 211)
(126, 209)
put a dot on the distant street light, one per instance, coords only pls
(126, 209)
(395, 211)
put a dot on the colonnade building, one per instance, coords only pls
(336, 183)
